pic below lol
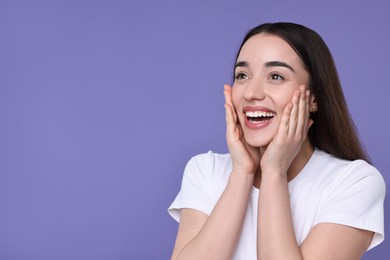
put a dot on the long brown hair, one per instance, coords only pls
(333, 130)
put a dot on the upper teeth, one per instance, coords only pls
(259, 114)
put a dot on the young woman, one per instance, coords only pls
(296, 183)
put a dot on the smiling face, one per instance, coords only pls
(267, 73)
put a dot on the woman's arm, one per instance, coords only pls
(216, 236)
(277, 240)
(334, 241)
(276, 237)
(275, 232)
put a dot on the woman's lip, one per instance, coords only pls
(258, 125)
(256, 108)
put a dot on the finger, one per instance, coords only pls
(285, 121)
(227, 90)
(293, 120)
(228, 99)
(239, 131)
(228, 103)
(229, 129)
(303, 114)
(230, 123)
(307, 112)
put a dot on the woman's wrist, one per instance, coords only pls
(243, 172)
(274, 176)
(242, 177)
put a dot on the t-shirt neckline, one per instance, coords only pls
(306, 170)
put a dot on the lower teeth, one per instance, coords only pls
(258, 121)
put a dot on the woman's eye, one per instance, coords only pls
(240, 76)
(276, 76)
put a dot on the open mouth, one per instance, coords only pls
(259, 117)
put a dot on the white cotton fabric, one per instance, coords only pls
(327, 189)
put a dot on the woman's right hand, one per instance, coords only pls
(245, 158)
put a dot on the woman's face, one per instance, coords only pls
(267, 73)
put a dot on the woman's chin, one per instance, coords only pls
(261, 137)
(257, 142)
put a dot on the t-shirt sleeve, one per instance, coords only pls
(356, 199)
(194, 192)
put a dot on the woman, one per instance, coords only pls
(296, 183)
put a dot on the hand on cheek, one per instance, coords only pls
(291, 134)
(244, 157)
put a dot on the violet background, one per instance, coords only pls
(102, 103)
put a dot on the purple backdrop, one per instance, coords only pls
(103, 102)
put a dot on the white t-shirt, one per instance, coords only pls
(327, 189)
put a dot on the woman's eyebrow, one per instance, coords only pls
(267, 64)
(278, 64)
(241, 64)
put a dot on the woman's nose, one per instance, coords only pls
(254, 90)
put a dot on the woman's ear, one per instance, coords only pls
(313, 104)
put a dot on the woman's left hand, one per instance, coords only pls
(292, 132)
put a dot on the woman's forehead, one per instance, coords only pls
(264, 47)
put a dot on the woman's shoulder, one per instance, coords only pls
(210, 165)
(211, 157)
(325, 158)
(346, 170)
